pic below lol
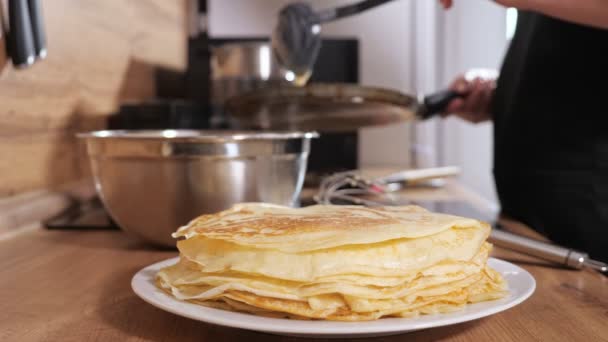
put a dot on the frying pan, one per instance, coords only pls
(336, 107)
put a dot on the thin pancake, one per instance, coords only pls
(188, 282)
(440, 303)
(318, 227)
(384, 259)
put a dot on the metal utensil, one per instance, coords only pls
(296, 36)
(240, 67)
(334, 107)
(561, 255)
(152, 182)
(417, 175)
(350, 186)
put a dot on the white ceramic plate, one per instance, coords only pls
(521, 286)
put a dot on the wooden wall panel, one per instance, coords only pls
(100, 53)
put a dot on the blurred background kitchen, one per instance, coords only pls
(111, 58)
(413, 47)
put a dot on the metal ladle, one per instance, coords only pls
(296, 37)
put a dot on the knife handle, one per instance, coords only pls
(38, 28)
(21, 41)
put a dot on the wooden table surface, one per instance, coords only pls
(70, 285)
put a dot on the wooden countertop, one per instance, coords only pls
(75, 286)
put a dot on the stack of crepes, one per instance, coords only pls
(345, 263)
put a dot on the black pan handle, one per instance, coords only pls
(38, 28)
(436, 103)
(21, 40)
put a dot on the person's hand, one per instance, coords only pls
(475, 105)
(446, 3)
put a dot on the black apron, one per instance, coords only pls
(551, 134)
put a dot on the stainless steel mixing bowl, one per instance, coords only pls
(152, 182)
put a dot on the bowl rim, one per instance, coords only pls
(194, 135)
